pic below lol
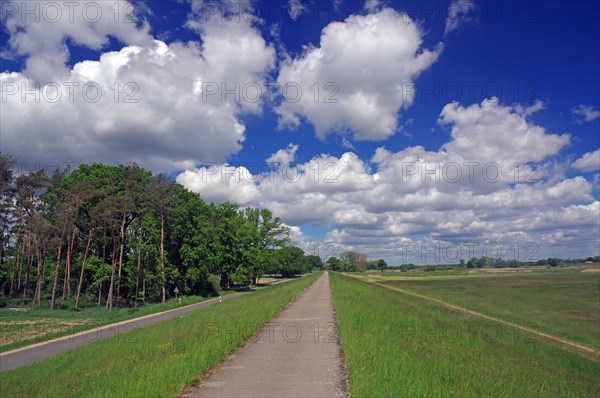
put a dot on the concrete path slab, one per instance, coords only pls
(297, 354)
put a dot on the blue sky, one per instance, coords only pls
(419, 86)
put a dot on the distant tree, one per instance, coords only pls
(314, 262)
(407, 267)
(347, 259)
(482, 262)
(333, 263)
(381, 265)
(472, 263)
(360, 261)
(291, 261)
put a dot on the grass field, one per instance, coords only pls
(157, 361)
(397, 345)
(564, 304)
(20, 326)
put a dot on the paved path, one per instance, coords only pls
(22, 356)
(297, 354)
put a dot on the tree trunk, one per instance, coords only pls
(56, 271)
(16, 266)
(67, 279)
(85, 256)
(139, 260)
(42, 259)
(122, 244)
(102, 272)
(144, 277)
(162, 255)
(28, 266)
(109, 299)
(20, 261)
(38, 286)
(41, 269)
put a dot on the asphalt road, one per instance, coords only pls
(297, 354)
(22, 356)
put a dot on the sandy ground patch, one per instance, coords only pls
(17, 331)
(594, 269)
(266, 280)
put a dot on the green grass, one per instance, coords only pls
(563, 304)
(396, 345)
(19, 329)
(157, 361)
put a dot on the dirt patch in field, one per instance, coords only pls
(594, 269)
(266, 280)
(18, 331)
(18, 323)
(500, 270)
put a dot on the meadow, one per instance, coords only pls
(397, 345)
(160, 360)
(560, 302)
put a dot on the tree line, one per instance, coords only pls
(119, 235)
(350, 261)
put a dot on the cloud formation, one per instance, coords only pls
(38, 31)
(357, 79)
(159, 105)
(588, 162)
(585, 113)
(459, 12)
(452, 196)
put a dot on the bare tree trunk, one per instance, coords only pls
(102, 274)
(162, 255)
(144, 277)
(38, 285)
(139, 261)
(85, 256)
(56, 271)
(20, 261)
(122, 244)
(109, 300)
(16, 266)
(42, 259)
(41, 269)
(67, 279)
(28, 267)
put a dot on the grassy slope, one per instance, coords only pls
(563, 304)
(48, 325)
(400, 346)
(156, 361)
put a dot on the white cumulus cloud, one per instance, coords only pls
(39, 31)
(357, 79)
(585, 113)
(283, 156)
(588, 162)
(147, 104)
(400, 200)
